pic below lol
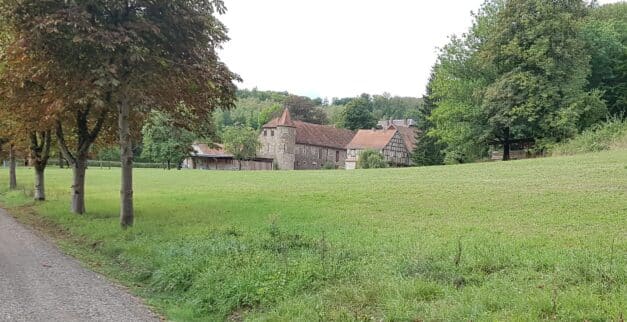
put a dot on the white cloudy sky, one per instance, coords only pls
(340, 48)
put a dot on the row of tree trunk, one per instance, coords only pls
(40, 147)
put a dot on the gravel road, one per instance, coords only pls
(39, 283)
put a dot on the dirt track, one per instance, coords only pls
(39, 283)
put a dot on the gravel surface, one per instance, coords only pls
(39, 283)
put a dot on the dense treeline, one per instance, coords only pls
(255, 108)
(526, 69)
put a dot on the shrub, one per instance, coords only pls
(328, 166)
(605, 136)
(371, 159)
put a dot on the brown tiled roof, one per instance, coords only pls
(371, 139)
(409, 136)
(203, 150)
(284, 120)
(314, 134)
(322, 135)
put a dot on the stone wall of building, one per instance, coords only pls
(268, 140)
(315, 157)
(279, 144)
(285, 148)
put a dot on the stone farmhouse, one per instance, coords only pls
(296, 145)
(395, 142)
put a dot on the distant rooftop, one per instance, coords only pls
(371, 139)
(406, 123)
(314, 134)
(215, 151)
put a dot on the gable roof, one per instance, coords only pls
(322, 135)
(371, 139)
(284, 120)
(409, 136)
(203, 150)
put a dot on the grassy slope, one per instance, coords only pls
(539, 239)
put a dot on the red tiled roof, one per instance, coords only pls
(322, 135)
(371, 139)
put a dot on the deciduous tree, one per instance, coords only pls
(305, 109)
(131, 55)
(164, 142)
(358, 114)
(242, 142)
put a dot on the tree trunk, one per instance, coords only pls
(506, 146)
(78, 185)
(40, 152)
(126, 158)
(12, 171)
(60, 160)
(168, 164)
(40, 188)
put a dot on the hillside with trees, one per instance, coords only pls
(526, 70)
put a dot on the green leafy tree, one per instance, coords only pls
(305, 109)
(371, 159)
(268, 113)
(164, 141)
(605, 35)
(242, 142)
(519, 73)
(428, 151)
(253, 108)
(540, 67)
(358, 114)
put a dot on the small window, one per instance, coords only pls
(337, 156)
(271, 132)
(320, 153)
(265, 132)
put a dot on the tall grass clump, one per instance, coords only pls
(605, 136)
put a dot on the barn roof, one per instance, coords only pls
(371, 139)
(204, 150)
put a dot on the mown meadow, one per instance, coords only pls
(520, 240)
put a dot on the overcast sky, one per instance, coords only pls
(341, 48)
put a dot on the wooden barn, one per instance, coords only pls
(205, 157)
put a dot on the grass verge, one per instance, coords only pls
(523, 240)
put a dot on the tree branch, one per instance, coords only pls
(63, 145)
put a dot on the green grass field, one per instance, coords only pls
(522, 240)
